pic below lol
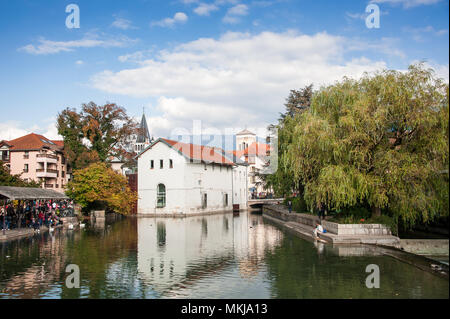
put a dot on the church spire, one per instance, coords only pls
(143, 132)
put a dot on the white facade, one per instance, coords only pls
(248, 151)
(181, 186)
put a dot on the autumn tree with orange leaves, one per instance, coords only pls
(95, 134)
(99, 187)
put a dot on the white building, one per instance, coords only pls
(180, 178)
(255, 155)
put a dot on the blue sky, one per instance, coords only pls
(227, 63)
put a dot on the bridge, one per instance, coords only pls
(259, 202)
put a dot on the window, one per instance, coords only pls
(170, 163)
(161, 164)
(63, 160)
(204, 200)
(63, 174)
(25, 168)
(152, 164)
(225, 200)
(161, 196)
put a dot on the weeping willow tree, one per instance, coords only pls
(380, 141)
(282, 181)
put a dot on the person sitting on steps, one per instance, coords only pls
(317, 230)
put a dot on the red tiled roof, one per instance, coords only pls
(195, 152)
(59, 143)
(34, 142)
(255, 149)
(3, 142)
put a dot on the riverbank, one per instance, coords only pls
(354, 245)
(183, 215)
(336, 233)
(13, 234)
(380, 235)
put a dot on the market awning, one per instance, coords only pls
(16, 193)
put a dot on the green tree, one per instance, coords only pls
(98, 186)
(282, 181)
(95, 134)
(380, 141)
(6, 179)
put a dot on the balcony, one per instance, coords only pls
(48, 185)
(51, 173)
(47, 158)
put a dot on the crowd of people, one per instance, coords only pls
(33, 214)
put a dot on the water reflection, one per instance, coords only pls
(200, 247)
(217, 256)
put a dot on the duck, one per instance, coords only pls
(82, 225)
(70, 226)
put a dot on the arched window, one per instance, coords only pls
(161, 196)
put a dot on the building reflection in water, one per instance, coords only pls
(196, 248)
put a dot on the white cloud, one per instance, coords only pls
(240, 9)
(88, 41)
(13, 129)
(179, 17)
(79, 62)
(234, 13)
(132, 57)
(239, 79)
(123, 24)
(204, 9)
(421, 34)
(407, 3)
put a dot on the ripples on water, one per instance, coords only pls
(216, 256)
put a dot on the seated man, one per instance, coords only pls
(318, 229)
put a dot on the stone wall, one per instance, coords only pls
(426, 247)
(280, 212)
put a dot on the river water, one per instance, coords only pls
(216, 256)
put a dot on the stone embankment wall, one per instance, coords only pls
(280, 212)
(426, 247)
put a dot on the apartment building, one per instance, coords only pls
(37, 158)
(254, 154)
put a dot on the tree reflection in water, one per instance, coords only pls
(216, 256)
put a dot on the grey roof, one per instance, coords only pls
(143, 132)
(14, 193)
(245, 132)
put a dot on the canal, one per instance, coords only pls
(216, 256)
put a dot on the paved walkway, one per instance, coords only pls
(307, 230)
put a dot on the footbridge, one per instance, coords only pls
(264, 201)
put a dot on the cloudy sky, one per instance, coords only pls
(227, 63)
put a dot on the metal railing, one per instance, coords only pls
(47, 156)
